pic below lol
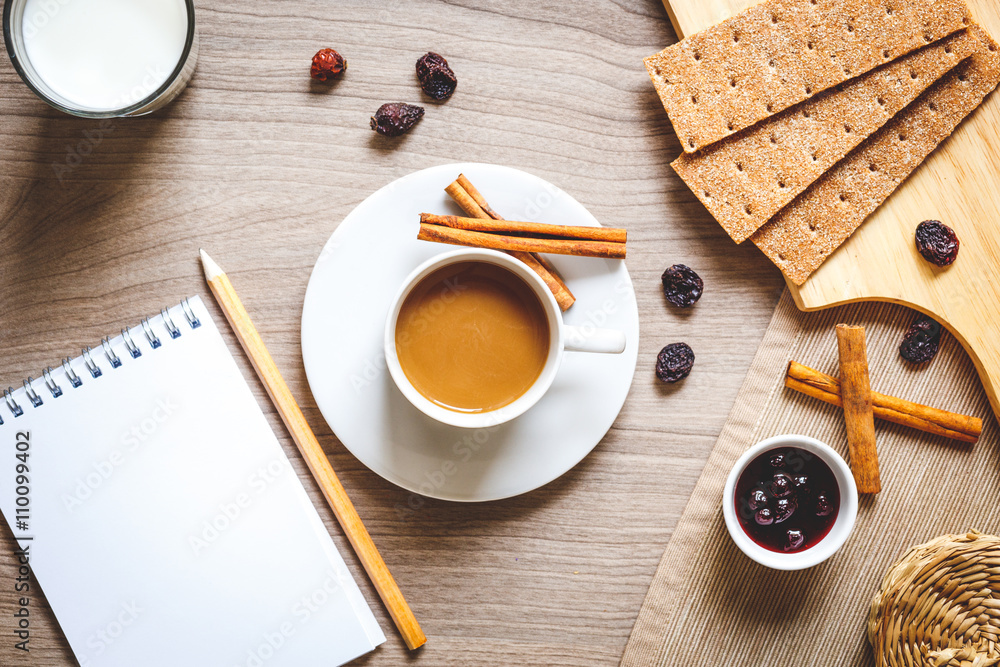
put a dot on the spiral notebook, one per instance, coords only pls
(161, 516)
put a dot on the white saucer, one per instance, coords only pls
(352, 284)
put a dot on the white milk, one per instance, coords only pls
(104, 54)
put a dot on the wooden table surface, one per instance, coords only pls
(100, 225)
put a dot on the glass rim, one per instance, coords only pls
(90, 113)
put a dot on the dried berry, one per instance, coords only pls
(758, 499)
(682, 286)
(794, 539)
(784, 509)
(937, 242)
(674, 362)
(801, 483)
(764, 517)
(436, 78)
(327, 64)
(920, 343)
(395, 118)
(781, 485)
(823, 505)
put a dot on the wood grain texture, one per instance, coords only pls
(258, 164)
(958, 184)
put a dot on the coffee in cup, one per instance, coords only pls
(472, 337)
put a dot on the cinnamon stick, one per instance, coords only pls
(477, 197)
(576, 247)
(474, 204)
(859, 417)
(533, 229)
(888, 408)
(563, 296)
(465, 200)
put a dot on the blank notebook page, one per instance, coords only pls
(164, 521)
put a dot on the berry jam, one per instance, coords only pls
(787, 499)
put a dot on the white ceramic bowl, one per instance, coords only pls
(823, 549)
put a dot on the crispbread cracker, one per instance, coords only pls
(746, 179)
(781, 52)
(809, 229)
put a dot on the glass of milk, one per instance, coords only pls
(102, 58)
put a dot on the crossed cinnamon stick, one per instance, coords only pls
(474, 204)
(889, 408)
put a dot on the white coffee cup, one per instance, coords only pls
(562, 337)
(842, 526)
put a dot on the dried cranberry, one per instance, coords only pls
(758, 499)
(682, 286)
(764, 517)
(937, 242)
(801, 483)
(781, 485)
(784, 509)
(823, 505)
(327, 64)
(436, 78)
(674, 362)
(920, 344)
(395, 118)
(794, 539)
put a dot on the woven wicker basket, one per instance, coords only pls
(940, 605)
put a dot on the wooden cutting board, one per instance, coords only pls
(958, 184)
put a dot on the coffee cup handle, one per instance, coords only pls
(586, 339)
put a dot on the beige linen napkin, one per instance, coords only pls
(708, 604)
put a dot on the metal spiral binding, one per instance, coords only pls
(169, 323)
(15, 409)
(189, 314)
(94, 369)
(51, 384)
(76, 381)
(147, 328)
(130, 345)
(29, 391)
(110, 354)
